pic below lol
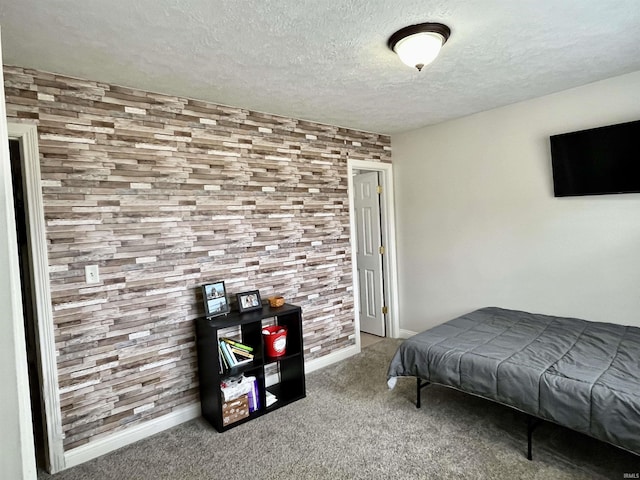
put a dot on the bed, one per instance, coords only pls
(579, 374)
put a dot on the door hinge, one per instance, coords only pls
(385, 310)
(381, 250)
(379, 189)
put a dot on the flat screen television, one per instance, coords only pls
(597, 161)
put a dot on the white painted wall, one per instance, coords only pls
(478, 224)
(17, 457)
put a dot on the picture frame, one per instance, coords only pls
(215, 299)
(248, 301)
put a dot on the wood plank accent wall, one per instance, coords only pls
(166, 193)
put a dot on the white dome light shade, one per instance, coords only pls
(420, 49)
(419, 45)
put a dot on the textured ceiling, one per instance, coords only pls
(327, 60)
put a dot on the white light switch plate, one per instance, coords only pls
(91, 273)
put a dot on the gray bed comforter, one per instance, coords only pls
(580, 374)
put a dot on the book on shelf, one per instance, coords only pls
(237, 344)
(241, 354)
(232, 359)
(243, 361)
(227, 355)
(224, 359)
(223, 362)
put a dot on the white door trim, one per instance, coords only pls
(387, 208)
(18, 459)
(52, 421)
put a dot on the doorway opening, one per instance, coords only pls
(39, 342)
(373, 251)
(28, 300)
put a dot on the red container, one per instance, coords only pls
(275, 340)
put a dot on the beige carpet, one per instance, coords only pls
(366, 339)
(351, 426)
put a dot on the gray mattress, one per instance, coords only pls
(579, 374)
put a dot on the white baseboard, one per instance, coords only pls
(406, 333)
(132, 434)
(135, 433)
(333, 357)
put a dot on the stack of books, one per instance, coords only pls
(233, 353)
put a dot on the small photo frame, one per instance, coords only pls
(215, 299)
(248, 301)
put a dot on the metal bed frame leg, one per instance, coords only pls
(419, 386)
(532, 424)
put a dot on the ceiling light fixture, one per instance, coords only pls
(419, 45)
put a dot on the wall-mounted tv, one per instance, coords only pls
(597, 161)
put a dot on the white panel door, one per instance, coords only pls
(369, 257)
